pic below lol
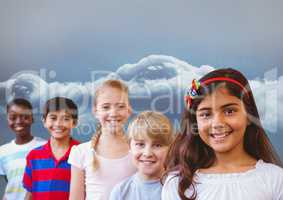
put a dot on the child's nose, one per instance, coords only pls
(19, 120)
(147, 151)
(58, 122)
(217, 121)
(113, 112)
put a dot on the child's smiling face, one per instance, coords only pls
(112, 109)
(148, 157)
(59, 124)
(19, 119)
(222, 121)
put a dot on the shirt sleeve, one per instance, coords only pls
(76, 157)
(170, 188)
(27, 178)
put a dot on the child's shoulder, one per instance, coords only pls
(81, 153)
(270, 173)
(38, 151)
(6, 148)
(11, 147)
(84, 145)
(269, 168)
(126, 182)
(82, 148)
(272, 176)
(3, 146)
(122, 187)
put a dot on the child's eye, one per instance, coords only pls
(121, 106)
(105, 107)
(229, 111)
(67, 119)
(12, 117)
(26, 117)
(204, 115)
(52, 118)
(139, 144)
(157, 145)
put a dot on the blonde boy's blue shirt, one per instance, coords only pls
(136, 188)
(12, 165)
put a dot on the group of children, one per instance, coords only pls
(221, 152)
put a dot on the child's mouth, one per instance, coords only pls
(147, 162)
(220, 135)
(113, 121)
(58, 131)
(19, 128)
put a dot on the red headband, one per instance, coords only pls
(194, 90)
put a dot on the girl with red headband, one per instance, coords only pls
(223, 151)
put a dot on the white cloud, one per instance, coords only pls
(159, 74)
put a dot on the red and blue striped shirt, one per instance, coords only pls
(45, 176)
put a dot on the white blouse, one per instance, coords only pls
(99, 183)
(264, 182)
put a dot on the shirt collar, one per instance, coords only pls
(47, 148)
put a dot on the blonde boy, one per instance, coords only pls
(150, 135)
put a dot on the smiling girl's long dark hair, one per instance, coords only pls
(189, 153)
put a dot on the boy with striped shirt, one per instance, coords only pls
(47, 173)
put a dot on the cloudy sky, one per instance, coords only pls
(91, 35)
(156, 82)
(50, 48)
(72, 45)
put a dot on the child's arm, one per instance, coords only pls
(77, 188)
(28, 196)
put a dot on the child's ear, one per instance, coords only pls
(94, 110)
(75, 123)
